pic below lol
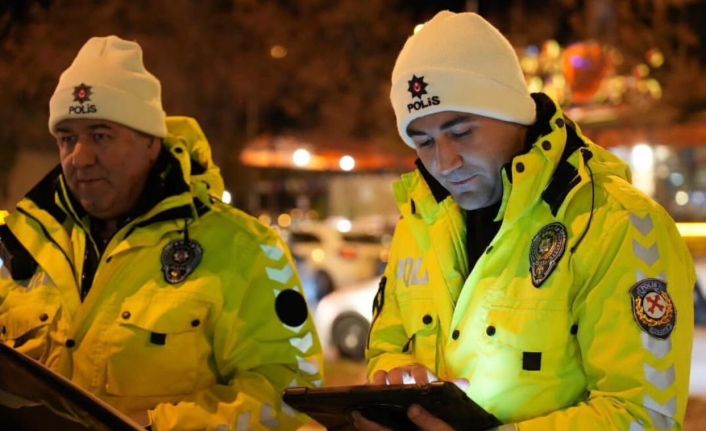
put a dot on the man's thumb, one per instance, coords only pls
(425, 421)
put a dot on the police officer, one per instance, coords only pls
(125, 273)
(525, 264)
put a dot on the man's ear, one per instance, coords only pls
(154, 146)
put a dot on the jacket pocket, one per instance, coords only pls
(159, 346)
(26, 327)
(529, 338)
(421, 325)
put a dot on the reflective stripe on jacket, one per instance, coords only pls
(568, 354)
(214, 349)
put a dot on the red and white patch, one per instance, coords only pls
(653, 308)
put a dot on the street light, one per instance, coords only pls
(301, 157)
(347, 163)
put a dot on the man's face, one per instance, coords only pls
(105, 164)
(465, 153)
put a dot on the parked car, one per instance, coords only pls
(337, 258)
(343, 317)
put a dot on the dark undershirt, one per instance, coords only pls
(480, 231)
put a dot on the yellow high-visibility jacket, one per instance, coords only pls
(200, 344)
(578, 315)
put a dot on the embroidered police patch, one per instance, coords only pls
(179, 259)
(546, 250)
(652, 307)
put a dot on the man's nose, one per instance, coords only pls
(83, 155)
(448, 158)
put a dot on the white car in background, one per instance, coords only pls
(343, 318)
(337, 258)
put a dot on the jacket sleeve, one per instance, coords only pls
(263, 342)
(387, 338)
(636, 370)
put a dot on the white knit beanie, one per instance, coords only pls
(459, 62)
(108, 81)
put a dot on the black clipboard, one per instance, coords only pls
(387, 405)
(32, 397)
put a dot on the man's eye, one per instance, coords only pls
(99, 137)
(68, 140)
(460, 133)
(423, 143)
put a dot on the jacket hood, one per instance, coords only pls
(188, 143)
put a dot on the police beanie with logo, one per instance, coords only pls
(108, 81)
(459, 62)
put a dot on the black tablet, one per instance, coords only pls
(387, 405)
(33, 397)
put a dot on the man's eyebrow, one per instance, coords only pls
(412, 132)
(63, 130)
(454, 121)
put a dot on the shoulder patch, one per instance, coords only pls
(653, 308)
(546, 250)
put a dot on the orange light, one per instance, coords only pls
(348, 253)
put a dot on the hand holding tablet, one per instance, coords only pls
(388, 404)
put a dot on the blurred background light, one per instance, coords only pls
(278, 52)
(227, 197)
(344, 225)
(642, 163)
(284, 220)
(347, 163)
(681, 198)
(301, 157)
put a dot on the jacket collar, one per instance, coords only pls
(165, 182)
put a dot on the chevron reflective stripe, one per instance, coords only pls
(318, 383)
(243, 423)
(295, 329)
(268, 417)
(661, 422)
(272, 252)
(661, 414)
(303, 344)
(644, 225)
(660, 379)
(307, 367)
(281, 276)
(647, 255)
(293, 383)
(635, 426)
(659, 348)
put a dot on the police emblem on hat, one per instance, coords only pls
(82, 93)
(545, 251)
(417, 86)
(179, 259)
(652, 307)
